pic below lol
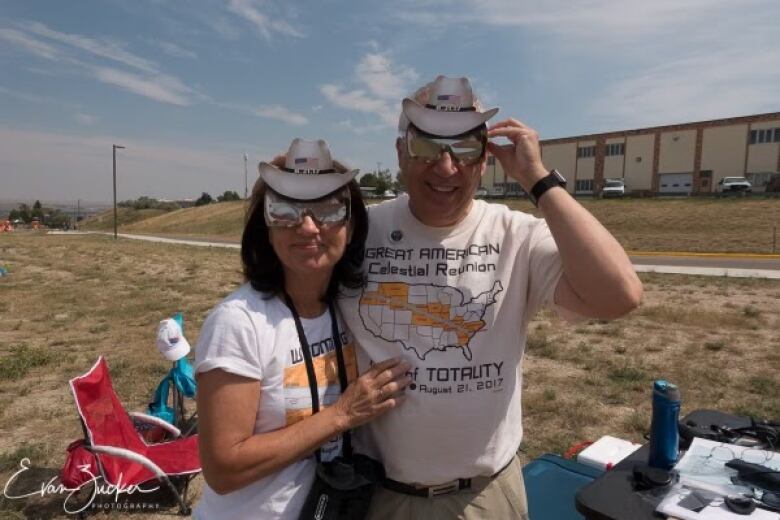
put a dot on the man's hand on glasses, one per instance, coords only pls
(522, 159)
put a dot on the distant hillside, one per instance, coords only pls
(224, 219)
(653, 224)
(105, 221)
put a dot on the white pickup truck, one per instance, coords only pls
(613, 188)
(732, 184)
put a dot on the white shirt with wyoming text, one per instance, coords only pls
(251, 335)
(455, 302)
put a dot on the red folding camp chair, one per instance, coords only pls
(121, 453)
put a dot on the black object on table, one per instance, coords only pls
(613, 496)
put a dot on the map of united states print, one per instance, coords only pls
(424, 317)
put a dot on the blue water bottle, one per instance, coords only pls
(664, 436)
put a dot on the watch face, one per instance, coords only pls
(560, 177)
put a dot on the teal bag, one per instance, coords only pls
(159, 406)
(183, 377)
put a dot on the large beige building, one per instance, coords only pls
(688, 158)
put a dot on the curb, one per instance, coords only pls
(768, 256)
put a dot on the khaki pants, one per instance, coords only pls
(504, 498)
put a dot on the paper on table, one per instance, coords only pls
(697, 469)
(712, 507)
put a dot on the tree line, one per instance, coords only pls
(382, 181)
(51, 217)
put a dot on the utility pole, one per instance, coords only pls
(246, 185)
(114, 147)
(78, 212)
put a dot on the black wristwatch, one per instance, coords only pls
(542, 185)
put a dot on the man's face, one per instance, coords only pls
(440, 192)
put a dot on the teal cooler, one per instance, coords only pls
(551, 483)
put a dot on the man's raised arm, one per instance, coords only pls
(598, 279)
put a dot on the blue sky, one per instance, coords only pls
(189, 86)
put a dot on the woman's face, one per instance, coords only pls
(309, 248)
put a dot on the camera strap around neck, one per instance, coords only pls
(312, 376)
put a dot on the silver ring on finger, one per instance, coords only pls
(380, 395)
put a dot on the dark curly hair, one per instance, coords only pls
(263, 269)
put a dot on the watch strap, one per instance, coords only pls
(544, 184)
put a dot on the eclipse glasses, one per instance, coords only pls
(467, 148)
(329, 211)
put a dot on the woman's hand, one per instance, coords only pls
(373, 393)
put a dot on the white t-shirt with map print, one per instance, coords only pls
(251, 336)
(456, 303)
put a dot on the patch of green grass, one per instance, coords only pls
(626, 374)
(21, 360)
(636, 422)
(539, 344)
(764, 386)
(35, 452)
(100, 327)
(715, 346)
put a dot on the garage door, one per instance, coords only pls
(675, 183)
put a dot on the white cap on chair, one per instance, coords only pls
(171, 341)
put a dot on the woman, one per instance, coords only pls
(303, 238)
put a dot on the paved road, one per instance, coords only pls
(748, 266)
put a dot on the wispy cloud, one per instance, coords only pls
(165, 89)
(347, 124)
(33, 98)
(666, 61)
(383, 85)
(359, 100)
(144, 77)
(172, 49)
(250, 10)
(673, 92)
(572, 19)
(276, 112)
(33, 45)
(86, 119)
(282, 114)
(104, 48)
(385, 80)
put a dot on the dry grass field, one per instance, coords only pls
(737, 225)
(69, 299)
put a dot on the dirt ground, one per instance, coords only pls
(69, 299)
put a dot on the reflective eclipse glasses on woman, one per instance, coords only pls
(330, 211)
(467, 148)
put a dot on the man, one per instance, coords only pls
(452, 285)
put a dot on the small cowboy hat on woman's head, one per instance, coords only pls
(308, 173)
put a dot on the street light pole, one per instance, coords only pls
(246, 185)
(114, 147)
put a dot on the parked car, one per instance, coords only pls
(734, 184)
(613, 188)
(515, 192)
(481, 193)
(496, 193)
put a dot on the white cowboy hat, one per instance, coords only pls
(448, 108)
(308, 172)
